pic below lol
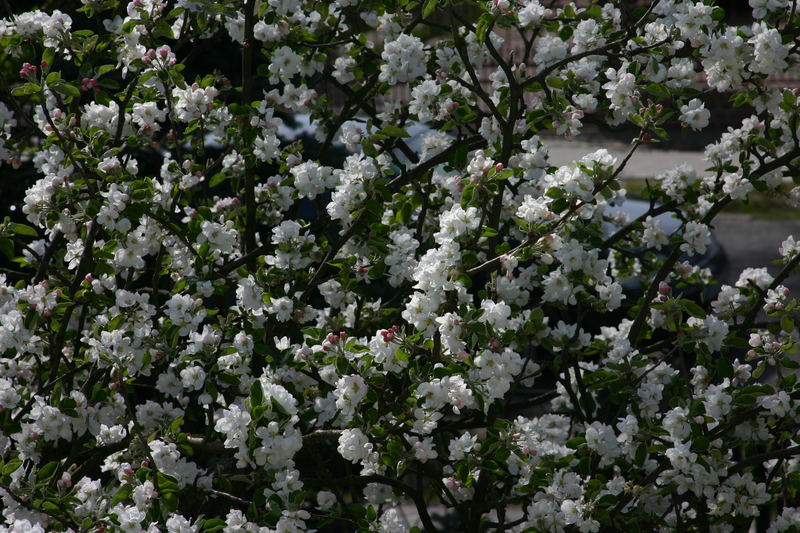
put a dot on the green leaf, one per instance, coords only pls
(31, 319)
(377, 270)
(741, 98)
(115, 322)
(104, 69)
(555, 82)
(401, 355)
(122, 494)
(26, 90)
(7, 247)
(278, 407)
(574, 442)
(483, 26)
(394, 131)
(47, 471)
(693, 309)
(23, 229)
(170, 500)
(467, 194)
(554, 192)
(658, 90)
(52, 78)
(342, 366)
(176, 424)
(428, 8)
(641, 454)
(146, 76)
(460, 156)
(369, 149)
(67, 89)
(724, 368)
(256, 394)
(164, 29)
(559, 205)
(12, 466)
(607, 501)
(594, 11)
(213, 524)
(636, 119)
(700, 443)
(787, 324)
(216, 179)
(404, 213)
(395, 448)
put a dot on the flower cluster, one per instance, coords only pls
(291, 265)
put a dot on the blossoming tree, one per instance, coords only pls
(206, 325)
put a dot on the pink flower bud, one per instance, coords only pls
(451, 483)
